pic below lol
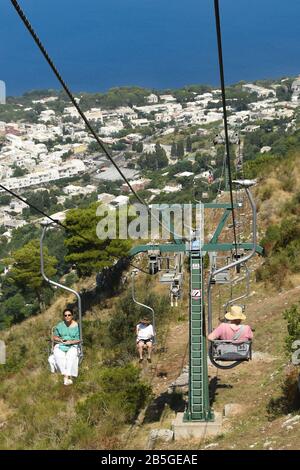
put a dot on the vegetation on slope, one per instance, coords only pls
(40, 413)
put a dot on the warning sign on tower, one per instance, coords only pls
(196, 293)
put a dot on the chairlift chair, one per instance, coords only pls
(133, 274)
(45, 225)
(233, 351)
(153, 264)
(228, 351)
(175, 292)
(224, 277)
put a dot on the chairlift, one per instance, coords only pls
(233, 351)
(167, 278)
(133, 274)
(165, 263)
(223, 277)
(175, 289)
(153, 263)
(45, 226)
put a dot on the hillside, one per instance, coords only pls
(37, 412)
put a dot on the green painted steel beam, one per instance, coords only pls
(220, 205)
(220, 226)
(182, 247)
(211, 205)
(230, 246)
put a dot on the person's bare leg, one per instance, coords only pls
(149, 348)
(140, 347)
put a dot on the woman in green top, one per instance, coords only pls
(67, 338)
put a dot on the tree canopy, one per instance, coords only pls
(90, 254)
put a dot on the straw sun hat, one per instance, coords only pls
(235, 313)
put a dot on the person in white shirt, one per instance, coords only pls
(144, 338)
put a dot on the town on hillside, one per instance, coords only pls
(45, 147)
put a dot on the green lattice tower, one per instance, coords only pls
(198, 404)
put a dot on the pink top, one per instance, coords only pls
(227, 331)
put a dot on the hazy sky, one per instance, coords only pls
(97, 44)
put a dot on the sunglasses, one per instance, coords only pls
(68, 315)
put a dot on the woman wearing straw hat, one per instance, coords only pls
(228, 331)
(145, 335)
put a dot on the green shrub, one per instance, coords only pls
(70, 279)
(292, 316)
(289, 400)
(274, 270)
(121, 397)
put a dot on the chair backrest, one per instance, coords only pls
(232, 351)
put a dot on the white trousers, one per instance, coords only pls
(64, 362)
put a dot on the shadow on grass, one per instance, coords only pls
(214, 385)
(173, 400)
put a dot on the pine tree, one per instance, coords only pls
(91, 256)
(174, 150)
(189, 144)
(26, 270)
(180, 149)
(139, 147)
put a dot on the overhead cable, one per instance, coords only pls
(227, 143)
(43, 50)
(60, 224)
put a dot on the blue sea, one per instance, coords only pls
(98, 44)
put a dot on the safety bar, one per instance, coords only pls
(247, 277)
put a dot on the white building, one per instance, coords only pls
(66, 170)
(259, 90)
(72, 190)
(105, 198)
(152, 98)
(184, 174)
(172, 188)
(168, 98)
(120, 201)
